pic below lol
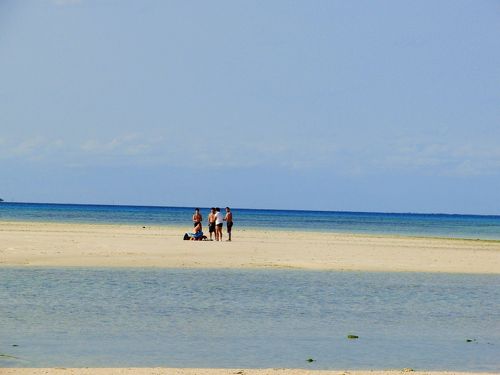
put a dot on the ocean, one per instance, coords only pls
(402, 224)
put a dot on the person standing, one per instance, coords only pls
(211, 222)
(219, 220)
(229, 221)
(197, 218)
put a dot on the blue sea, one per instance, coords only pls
(403, 224)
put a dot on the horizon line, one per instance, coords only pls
(255, 209)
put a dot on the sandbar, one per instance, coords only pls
(47, 244)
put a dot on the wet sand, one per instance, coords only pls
(173, 371)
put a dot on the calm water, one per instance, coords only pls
(459, 226)
(220, 318)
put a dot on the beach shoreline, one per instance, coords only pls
(51, 244)
(213, 371)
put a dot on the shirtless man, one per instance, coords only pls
(197, 234)
(211, 222)
(197, 219)
(219, 220)
(229, 221)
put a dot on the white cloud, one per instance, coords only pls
(35, 148)
(66, 2)
(29, 146)
(453, 158)
(420, 155)
(121, 144)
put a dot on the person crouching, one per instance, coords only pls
(196, 235)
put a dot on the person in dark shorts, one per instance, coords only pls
(229, 221)
(197, 218)
(196, 235)
(211, 222)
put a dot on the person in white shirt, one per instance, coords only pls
(219, 220)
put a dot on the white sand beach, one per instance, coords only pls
(84, 245)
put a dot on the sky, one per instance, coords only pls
(389, 106)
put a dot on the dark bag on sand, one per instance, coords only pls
(186, 237)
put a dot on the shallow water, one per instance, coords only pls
(433, 225)
(251, 318)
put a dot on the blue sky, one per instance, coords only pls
(335, 105)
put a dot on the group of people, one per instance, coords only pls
(215, 223)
